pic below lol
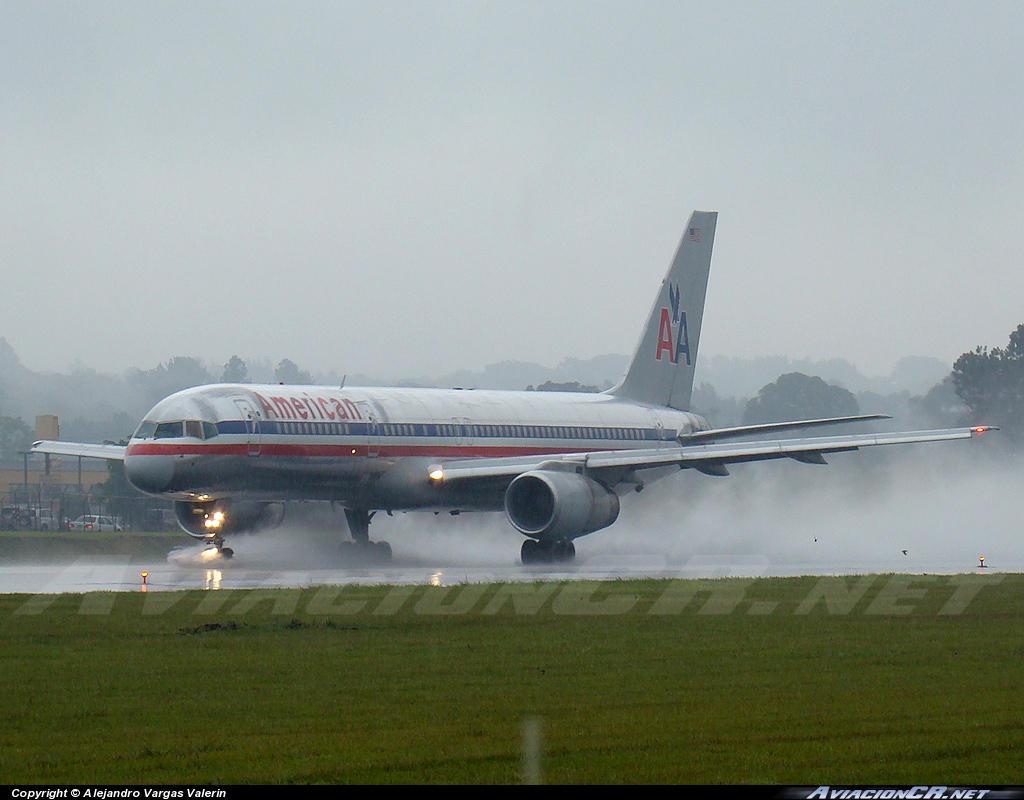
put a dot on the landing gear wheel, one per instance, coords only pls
(226, 552)
(535, 551)
(531, 552)
(365, 554)
(563, 551)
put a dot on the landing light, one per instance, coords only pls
(436, 474)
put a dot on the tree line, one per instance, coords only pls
(985, 386)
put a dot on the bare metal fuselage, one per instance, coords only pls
(373, 448)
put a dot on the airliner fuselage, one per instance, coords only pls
(361, 447)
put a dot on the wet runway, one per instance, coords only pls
(187, 568)
(123, 574)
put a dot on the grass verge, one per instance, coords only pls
(55, 546)
(876, 679)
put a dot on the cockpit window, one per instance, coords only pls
(194, 428)
(168, 430)
(145, 431)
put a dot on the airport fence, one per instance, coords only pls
(53, 508)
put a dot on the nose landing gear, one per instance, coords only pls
(217, 547)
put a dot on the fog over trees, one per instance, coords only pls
(797, 396)
(15, 436)
(984, 386)
(991, 384)
(235, 371)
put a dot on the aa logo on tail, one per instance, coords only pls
(673, 338)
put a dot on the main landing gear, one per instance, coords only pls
(541, 551)
(361, 550)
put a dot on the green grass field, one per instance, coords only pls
(51, 546)
(878, 679)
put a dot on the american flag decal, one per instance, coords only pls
(694, 234)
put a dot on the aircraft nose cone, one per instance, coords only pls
(150, 474)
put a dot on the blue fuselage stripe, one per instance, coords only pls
(432, 430)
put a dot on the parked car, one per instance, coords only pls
(94, 522)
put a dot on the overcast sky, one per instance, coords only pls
(409, 188)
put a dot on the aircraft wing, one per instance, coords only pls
(704, 457)
(109, 452)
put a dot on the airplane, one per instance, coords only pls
(556, 463)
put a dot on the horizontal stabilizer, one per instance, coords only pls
(773, 427)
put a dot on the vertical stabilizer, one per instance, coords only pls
(661, 372)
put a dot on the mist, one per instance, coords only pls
(946, 504)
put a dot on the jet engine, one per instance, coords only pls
(551, 505)
(216, 518)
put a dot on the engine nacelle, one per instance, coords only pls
(559, 505)
(220, 517)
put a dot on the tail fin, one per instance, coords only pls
(661, 372)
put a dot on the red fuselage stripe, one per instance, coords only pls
(342, 451)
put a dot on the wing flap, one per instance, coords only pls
(503, 467)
